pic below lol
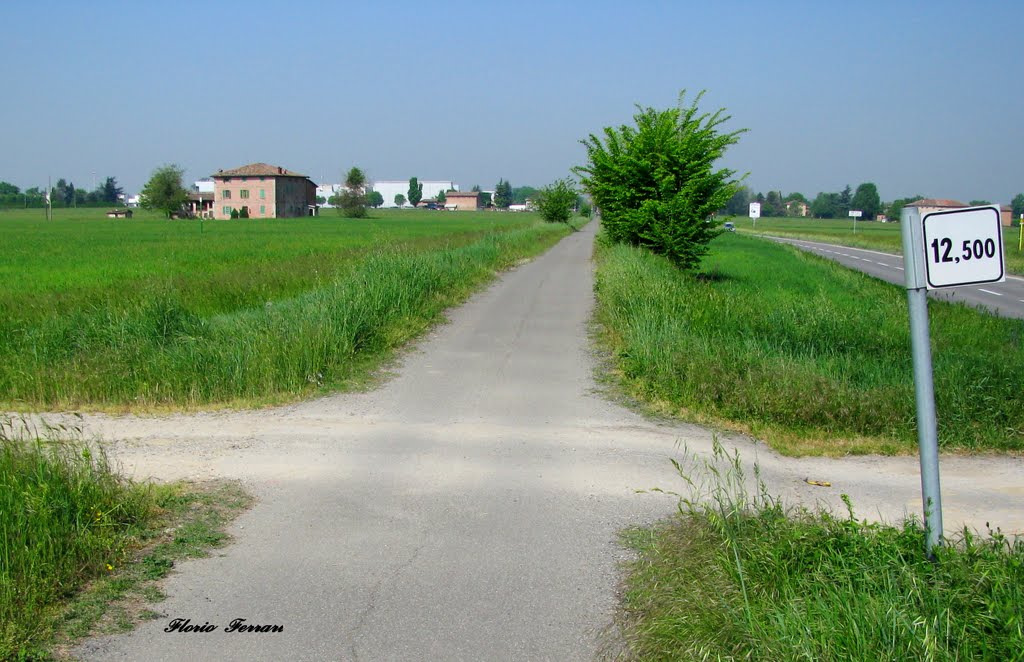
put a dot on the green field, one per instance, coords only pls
(147, 312)
(883, 237)
(810, 356)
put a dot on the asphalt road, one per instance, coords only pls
(469, 508)
(1006, 299)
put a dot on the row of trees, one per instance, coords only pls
(63, 194)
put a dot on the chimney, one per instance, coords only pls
(280, 170)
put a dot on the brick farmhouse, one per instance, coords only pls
(266, 191)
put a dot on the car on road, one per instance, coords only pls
(729, 226)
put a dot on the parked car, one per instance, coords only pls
(729, 226)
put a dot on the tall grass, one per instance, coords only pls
(813, 357)
(157, 350)
(65, 517)
(737, 575)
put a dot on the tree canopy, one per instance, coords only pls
(656, 183)
(164, 191)
(352, 201)
(502, 194)
(415, 191)
(556, 201)
(399, 200)
(866, 200)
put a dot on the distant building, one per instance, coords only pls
(200, 204)
(929, 205)
(462, 201)
(389, 188)
(203, 186)
(266, 191)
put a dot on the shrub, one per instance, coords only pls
(655, 183)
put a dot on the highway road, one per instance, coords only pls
(1006, 299)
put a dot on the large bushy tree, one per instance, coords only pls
(415, 193)
(656, 183)
(556, 201)
(1017, 205)
(164, 191)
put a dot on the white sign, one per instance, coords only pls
(856, 213)
(963, 247)
(755, 210)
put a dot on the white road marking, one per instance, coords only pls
(900, 268)
(989, 292)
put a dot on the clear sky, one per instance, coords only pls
(918, 97)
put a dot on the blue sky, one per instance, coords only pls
(918, 97)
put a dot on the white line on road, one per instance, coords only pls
(989, 292)
(900, 268)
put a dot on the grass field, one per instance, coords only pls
(883, 237)
(736, 575)
(111, 313)
(803, 353)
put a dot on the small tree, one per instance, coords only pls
(866, 200)
(555, 201)
(1017, 205)
(502, 194)
(399, 200)
(656, 184)
(352, 200)
(243, 212)
(374, 199)
(415, 191)
(441, 198)
(164, 191)
(234, 213)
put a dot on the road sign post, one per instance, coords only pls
(755, 212)
(942, 249)
(855, 213)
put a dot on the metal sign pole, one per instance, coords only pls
(924, 388)
(927, 428)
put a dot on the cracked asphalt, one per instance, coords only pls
(469, 507)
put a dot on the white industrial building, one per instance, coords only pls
(388, 189)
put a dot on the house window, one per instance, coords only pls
(244, 194)
(226, 195)
(263, 210)
(227, 211)
(263, 194)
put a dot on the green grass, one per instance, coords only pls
(884, 237)
(810, 356)
(737, 575)
(71, 531)
(152, 313)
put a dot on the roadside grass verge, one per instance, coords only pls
(71, 531)
(158, 351)
(805, 354)
(883, 237)
(737, 575)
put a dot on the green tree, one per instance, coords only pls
(485, 200)
(656, 183)
(895, 208)
(739, 203)
(352, 199)
(845, 197)
(978, 203)
(441, 198)
(556, 201)
(1017, 205)
(62, 194)
(502, 194)
(243, 212)
(866, 200)
(164, 191)
(109, 192)
(523, 193)
(6, 188)
(826, 205)
(399, 200)
(773, 206)
(415, 192)
(374, 199)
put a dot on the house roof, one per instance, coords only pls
(936, 202)
(257, 170)
(462, 194)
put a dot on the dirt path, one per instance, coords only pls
(468, 508)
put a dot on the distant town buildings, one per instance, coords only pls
(468, 201)
(264, 191)
(389, 188)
